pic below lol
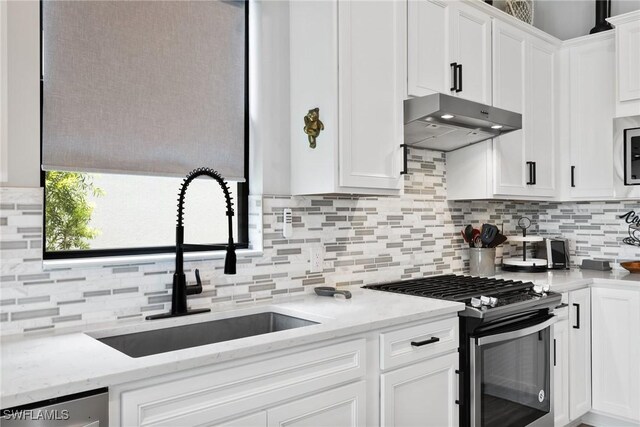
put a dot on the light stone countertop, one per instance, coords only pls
(34, 368)
(567, 280)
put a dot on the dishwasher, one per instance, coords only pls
(86, 409)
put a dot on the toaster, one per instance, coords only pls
(556, 251)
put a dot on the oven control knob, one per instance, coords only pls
(488, 301)
(475, 302)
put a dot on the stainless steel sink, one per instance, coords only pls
(140, 344)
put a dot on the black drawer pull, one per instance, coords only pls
(577, 325)
(425, 342)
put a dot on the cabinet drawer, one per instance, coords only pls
(428, 340)
(214, 396)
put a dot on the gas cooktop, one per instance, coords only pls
(483, 297)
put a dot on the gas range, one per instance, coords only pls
(505, 348)
(485, 298)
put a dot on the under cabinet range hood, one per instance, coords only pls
(445, 123)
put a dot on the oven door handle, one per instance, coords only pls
(490, 339)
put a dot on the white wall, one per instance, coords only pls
(23, 94)
(567, 19)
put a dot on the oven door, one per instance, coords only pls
(511, 374)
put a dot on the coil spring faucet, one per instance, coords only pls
(180, 289)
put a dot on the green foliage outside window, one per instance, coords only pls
(68, 210)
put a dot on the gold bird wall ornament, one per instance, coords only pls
(313, 126)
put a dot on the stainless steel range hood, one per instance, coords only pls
(445, 123)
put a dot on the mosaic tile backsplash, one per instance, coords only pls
(365, 240)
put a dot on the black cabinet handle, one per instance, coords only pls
(454, 67)
(459, 88)
(531, 181)
(573, 176)
(554, 352)
(535, 174)
(460, 387)
(405, 150)
(577, 325)
(425, 342)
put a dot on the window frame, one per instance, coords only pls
(241, 199)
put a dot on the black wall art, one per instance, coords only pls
(633, 219)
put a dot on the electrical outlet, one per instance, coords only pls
(316, 257)
(287, 223)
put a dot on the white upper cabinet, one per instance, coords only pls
(627, 34)
(429, 69)
(509, 71)
(449, 50)
(520, 164)
(348, 59)
(540, 118)
(471, 52)
(371, 91)
(591, 110)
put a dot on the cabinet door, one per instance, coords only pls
(561, 369)
(591, 101)
(422, 394)
(343, 406)
(540, 126)
(372, 82)
(579, 352)
(509, 69)
(471, 48)
(258, 419)
(428, 61)
(628, 38)
(616, 351)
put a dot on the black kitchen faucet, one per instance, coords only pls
(180, 289)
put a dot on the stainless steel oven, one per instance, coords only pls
(511, 372)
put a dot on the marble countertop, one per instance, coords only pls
(567, 280)
(35, 368)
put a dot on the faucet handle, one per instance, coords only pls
(197, 288)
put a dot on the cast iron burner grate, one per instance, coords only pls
(453, 287)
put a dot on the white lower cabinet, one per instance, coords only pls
(579, 352)
(343, 406)
(616, 352)
(259, 419)
(235, 394)
(561, 368)
(411, 380)
(422, 394)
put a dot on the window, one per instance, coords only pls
(118, 203)
(107, 214)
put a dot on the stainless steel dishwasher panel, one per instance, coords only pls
(82, 410)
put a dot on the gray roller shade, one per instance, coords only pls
(144, 87)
